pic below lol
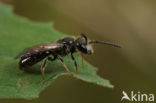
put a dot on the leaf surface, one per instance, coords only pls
(18, 33)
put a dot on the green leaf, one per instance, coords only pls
(18, 33)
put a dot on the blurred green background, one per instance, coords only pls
(130, 23)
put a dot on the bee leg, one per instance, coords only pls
(62, 61)
(75, 63)
(43, 68)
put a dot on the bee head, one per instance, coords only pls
(85, 46)
(82, 45)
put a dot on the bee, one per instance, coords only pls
(57, 50)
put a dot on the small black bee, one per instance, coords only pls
(58, 49)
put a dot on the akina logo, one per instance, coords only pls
(138, 96)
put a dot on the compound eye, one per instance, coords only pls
(82, 48)
(81, 45)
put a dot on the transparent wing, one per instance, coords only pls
(40, 48)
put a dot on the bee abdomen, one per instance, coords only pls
(31, 60)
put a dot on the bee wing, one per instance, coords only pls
(40, 48)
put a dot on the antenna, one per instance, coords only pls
(103, 42)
